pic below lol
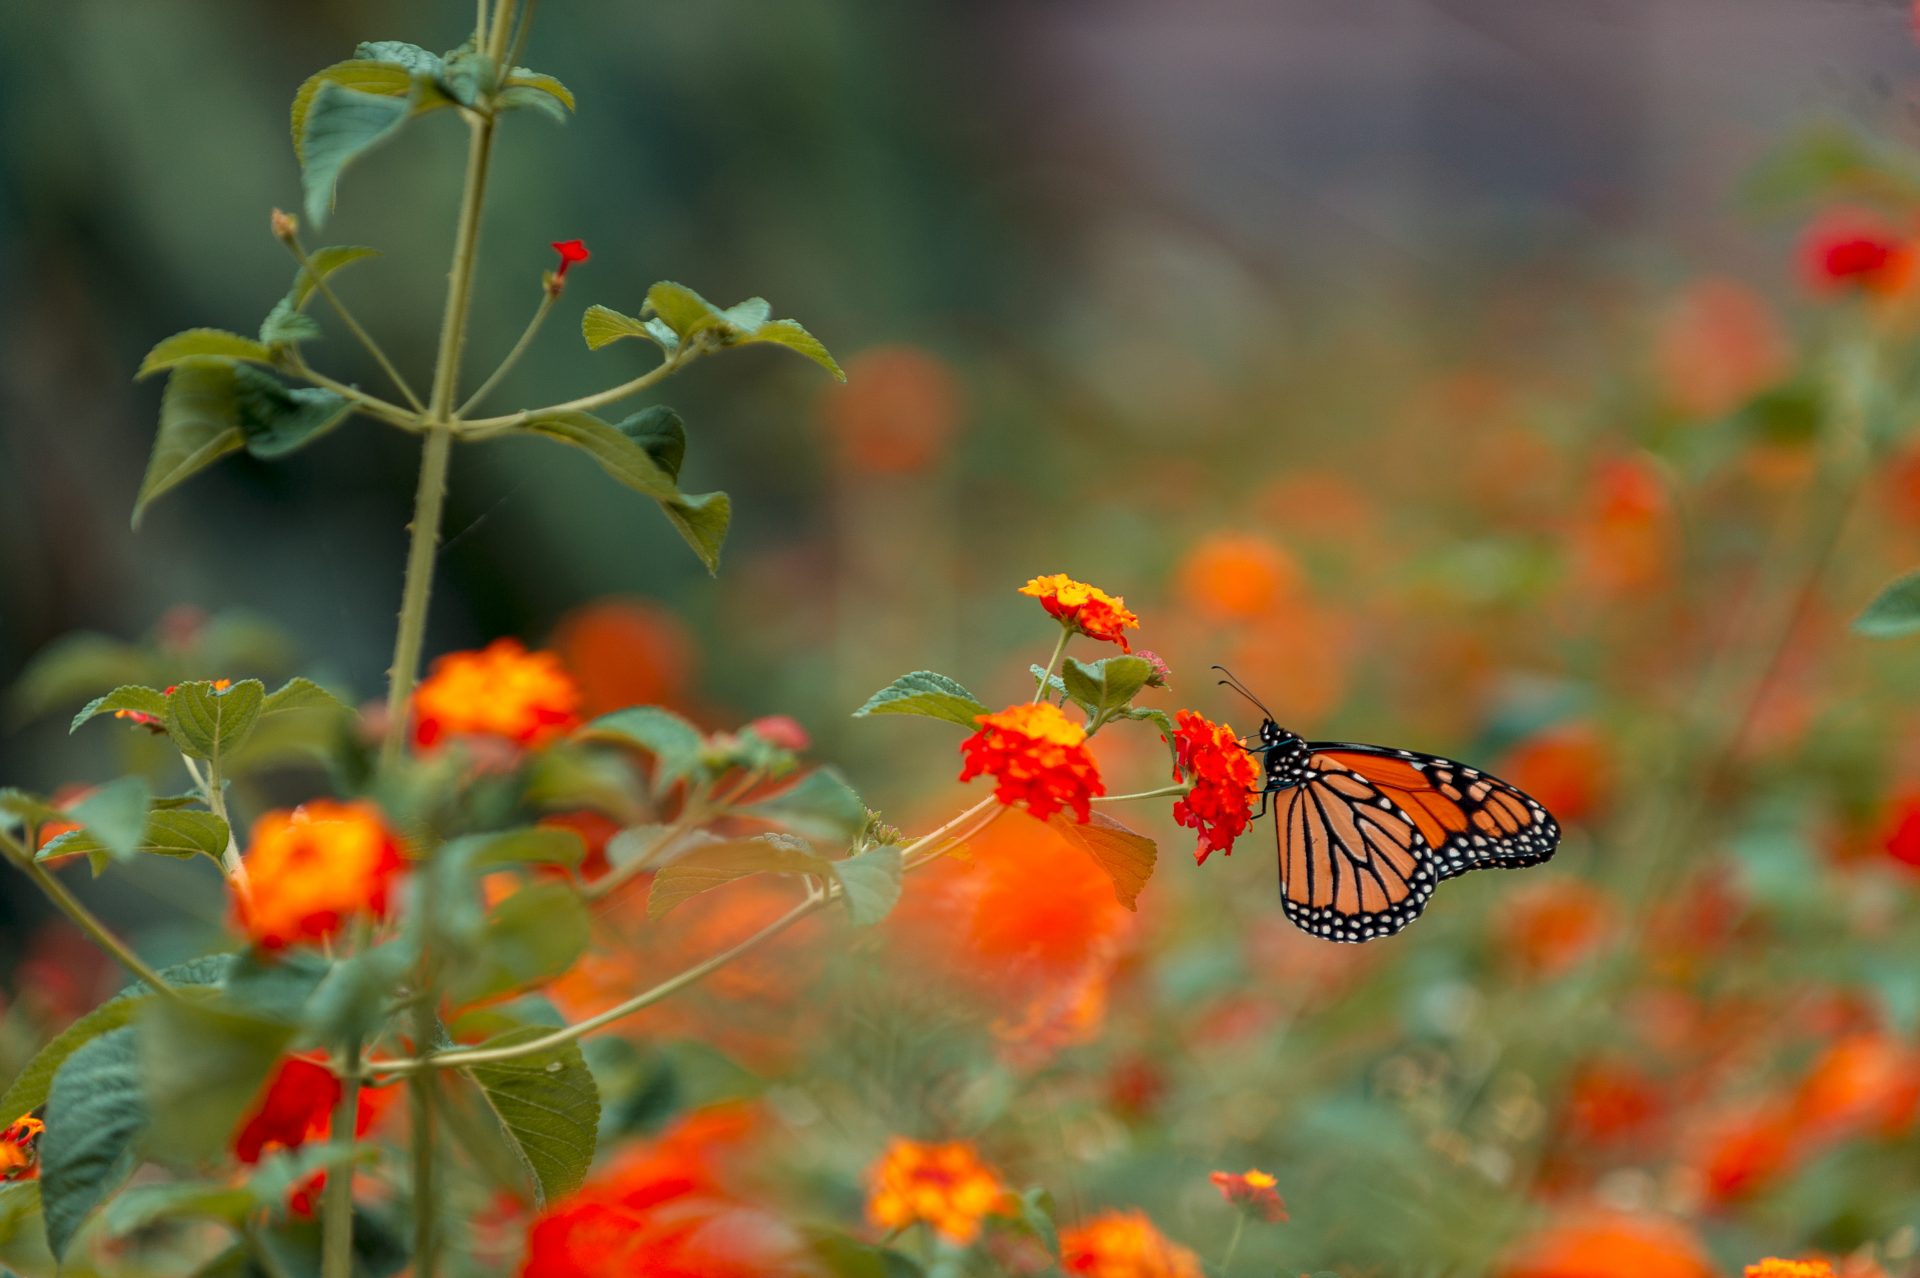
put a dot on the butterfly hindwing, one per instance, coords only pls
(1353, 865)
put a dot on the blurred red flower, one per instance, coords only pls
(896, 411)
(1124, 1244)
(1608, 1245)
(1719, 344)
(312, 869)
(781, 731)
(295, 1109)
(1236, 577)
(594, 829)
(1743, 1151)
(501, 691)
(1083, 609)
(1851, 249)
(1625, 539)
(1223, 777)
(625, 652)
(1253, 1192)
(1610, 1100)
(1552, 924)
(1902, 839)
(1566, 767)
(1037, 757)
(1864, 1084)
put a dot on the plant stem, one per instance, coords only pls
(1059, 650)
(547, 298)
(214, 793)
(336, 1208)
(421, 1107)
(1164, 792)
(1233, 1243)
(482, 427)
(353, 325)
(70, 905)
(817, 901)
(372, 405)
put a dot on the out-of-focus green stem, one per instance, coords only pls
(68, 904)
(360, 334)
(547, 298)
(1059, 650)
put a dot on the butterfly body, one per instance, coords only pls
(1365, 833)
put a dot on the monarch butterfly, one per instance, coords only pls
(1366, 832)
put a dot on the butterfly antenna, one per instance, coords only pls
(1233, 681)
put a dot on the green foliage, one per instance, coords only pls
(602, 326)
(702, 520)
(202, 344)
(1894, 612)
(925, 693)
(820, 806)
(208, 722)
(276, 419)
(23, 1233)
(869, 884)
(320, 266)
(95, 1117)
(341, 125)
(548, 1106)
(1106, 685)
(532, 936)
(659, 430)
(1126, 855)
(115, 815)
(1831, 160)
(692, 317)
(1036, 1217)
(360, 75)
(718, 864)
(672, 741)
(202, 1068)
(167, 832)
(350, 1001)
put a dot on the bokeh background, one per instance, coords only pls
(1431, 363)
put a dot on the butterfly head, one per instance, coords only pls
(1284, 756)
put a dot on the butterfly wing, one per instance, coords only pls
(1353, 865)
(1471, 820)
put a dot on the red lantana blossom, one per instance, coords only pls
(502, 691)
(296, 1109)
(19, 1155)
(1124, 1244)
(1855, 251)
(570, 251)
(1253, 1192)
(312, 869)
(945, 1185)
(1223, 775)
(1037, 757)
(1086, 610)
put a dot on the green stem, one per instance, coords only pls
(336, 1208)
(1164, 792)
(421, 1107)
(211, 789)
(547, 298)
(70, 905)
(1233, 1243)
(353, 325)
(372, 405)
(482, 427)
(1059, 650)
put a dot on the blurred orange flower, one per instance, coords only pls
(1626, 538)
(1775, 1268)
(1253, 1191)
(1223, 777)
(501, 690)
(1608, 1245)
(1852, 249)
(624, 652)
(1743, 1151)
(1552, 924)
(945, 1185)
(1902, 839)
(1566, 767)
(1865, 1083)
(1124, 1244)
(1718, 345)
(295, 1109)
(19, 1152)
(896, 411)
(1037, 757)
(1236, 577)
(312, 869)
(1083, 609)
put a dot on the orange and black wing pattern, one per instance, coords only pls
(1370, 831)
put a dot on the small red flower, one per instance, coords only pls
(781, 731)
(19, 1155)
(1083, 609)
(1037, 756)
(570, 251)
(1222, 776)
(1851, 251)
(1253, 1192)
(295, 1109)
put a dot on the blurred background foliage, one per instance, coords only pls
(1439, 365)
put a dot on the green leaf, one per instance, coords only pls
(400, 53)
(199, 424)
(685, 312)
(821, 806)
(286, 326)
(207, 723)
(276, 419)
(538, 82)
(702, 521)
(274, 988)
(95, 1115)
(519, 97)
(321, 264)
(20, 809)
(351, 1000)
(619, 456)
(144, 1206)
(659, 430)
(364, 76)
(869, 884)
(1894, 612)
(603, 326)
(1107, 684)
(341, 125)
(1055, 684)
(1036, 1217)
(168, 832)
(531, 937)
(790, 334)
(297, 695)
(716, 865)
(672, 741)
(28, 1091)
(128, 696)
(202, 1068)
(202, 344)
(548, 1106)
(690, 315)
(460, 864)
(843, 1257)
(1126, 856)
(23, 1233)
(469, 77)
(116, 814)
(927, 694)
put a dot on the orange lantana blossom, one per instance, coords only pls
(1608, 1245)
(19, 1153)
(501, 691)
(1037, 757)
(312, 869)
(1253, 1191)
(1124, 1244)
(944, 1185)
(1222, 776)
(1773, 1267)
(1083, 609)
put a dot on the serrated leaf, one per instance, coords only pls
(1894, 612)
(274, 987)
(702, 521)
(129, 696)
(341, 125)
(321, 264)
(202, 1068)
(548, 1106)
(275, 419)
(401, 53)
(116, 814)
(206, 722)
(714, 866)
(869, 884)
(96, 1114)
(468, 76)
(684, 311)
(821, 806)
(351, 1000)
(1107, 684)
(460, 864)
(619, 456)
(1037, 1216)
(790, 334)
(928, 694)
(531, 937)
(199, 424)
(603, 326)
(168, 832)
(361, 75)
(521, 97)
(539, 82)
(672, 741)
(659, 430)
(286, 326)
(202, 344)
(1125, 854)
(298, 694)
(1055, 684)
